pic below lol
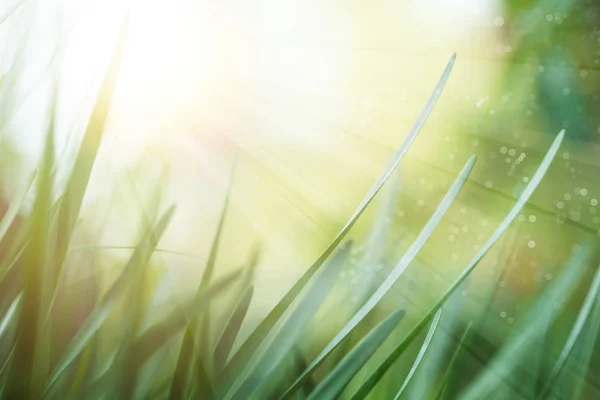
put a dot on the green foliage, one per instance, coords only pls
(123, 348)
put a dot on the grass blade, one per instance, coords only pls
(156, 336)
(512, 214)
(335, 382)
(541, 313)
(84, 162)
(9, 315)
(451, 365)
(231, 330)
(280, 342)
(398, 270)
(422, 351)
(138, 259)
(575, 333)
(257, 336)
(14, 207)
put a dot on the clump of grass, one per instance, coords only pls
(206, 367)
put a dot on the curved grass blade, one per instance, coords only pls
(335, 382)
(582, 318)
(450, 368)
(398, 270)
(543, 312)
(512, 214)
(138, 259)
(231, 330)
(422, 351)
(256, 337)
(282, 340)
(86, 157)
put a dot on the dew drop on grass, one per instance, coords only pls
(583, 192)
(503, 314)
(531, 244)
(560, 205)
(488, 184)
(510, 320)
(532, 218)
(594, 202)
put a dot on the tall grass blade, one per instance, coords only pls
(512, 214)
(336, 380)
(157, 335)
(422, 351)
(398, 270)
(9, 315)
(450, 369)
(582, 318)
(14, 207)
(138, 259)
(231, 330)
(545, 309)
(84, 162)
(257, 336)
(29, 366)
(282, 340)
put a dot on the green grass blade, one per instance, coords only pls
(14, 207)
(231, 330)
(540, 314)
(336, 380)
(450, 369)
(512, 214)
(157, 335)
(398, 270)
(138, 259)
(422, 351)
(29, 365)
(282, 340)
(257, 336)
(582, 318)
(10, 314)
(192, 353)
(84, 162)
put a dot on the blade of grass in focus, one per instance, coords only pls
(334, 383)
(422, 351)
(372, 380)
(244, 353)
(280, 342)
(398, 270)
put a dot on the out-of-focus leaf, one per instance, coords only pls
(545, 309)
(584, 314)
(231, 330)
(138, 259)
(336, 380)
(82, 169)
(452, 364)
